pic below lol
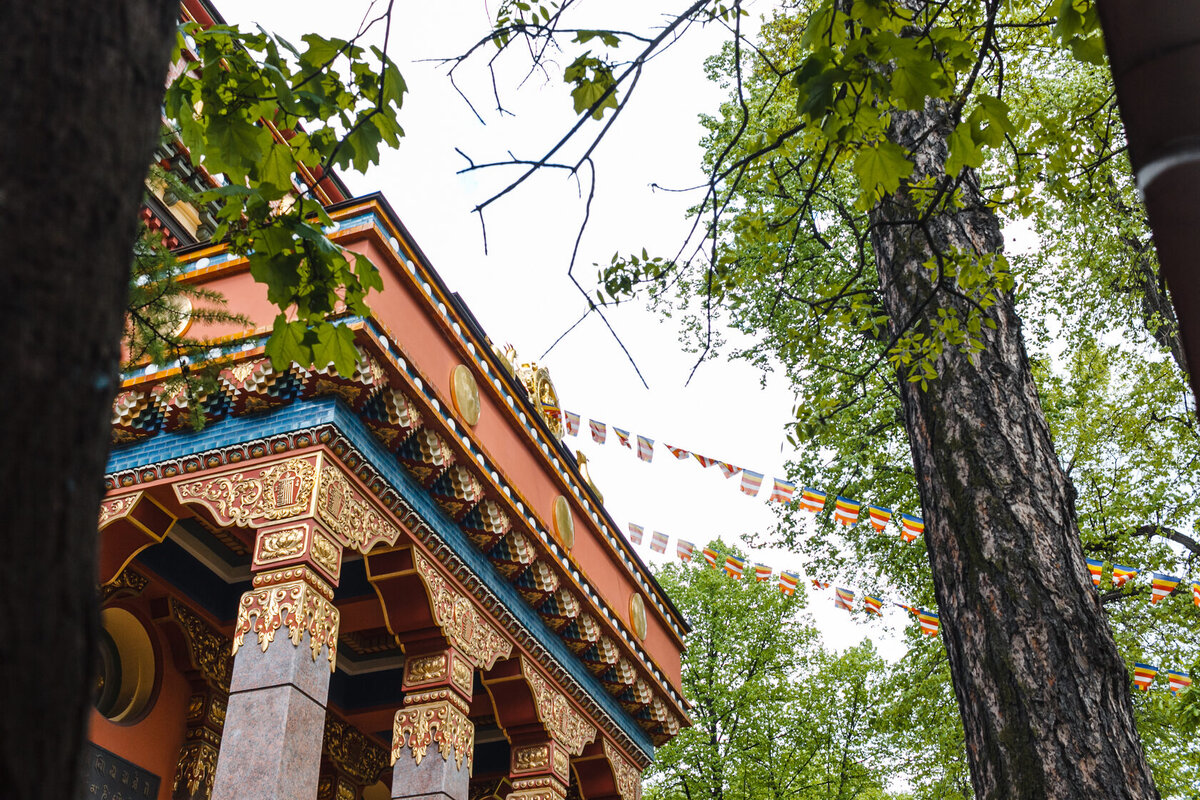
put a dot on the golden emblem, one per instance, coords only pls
(542, 393)
(465, 393)
(637, 615)
(564, 523)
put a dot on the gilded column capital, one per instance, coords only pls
(468, 630)
(418, 726)
(195, 770)
(294, 598)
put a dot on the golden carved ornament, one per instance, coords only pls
(562, 764)
(628, 777)
(564, 522)
(195, 770)
(127, 580)
(416, 727)
(281, 544)
(352, 753)
(461, 622)
(542, 393)
(463, 675)
(425, 669)
(115, 508)
(348, 515)
(581, 459)
(277, 492)
(564, 723)
(326, 554)
(531, 759)
(637, 615)
(464, 391)
(208, 650)
(296, 605)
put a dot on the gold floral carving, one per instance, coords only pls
(208, 650)
(425, 669)
(115, 508)
(348, 514)
(531, 759)
(277, 492)
(127, 580)
(195, 770)
(463, 674)
(352, 752)
(326, 554)
(278, 545)
(461, 622)
(564, 723)
(418, 726)
(629, 779)
(298, 606)
(562, 764)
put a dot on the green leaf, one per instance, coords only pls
(880, 168)
(913, 81)
(286, 344)
(335, 345)
(963, 150)
(277, 166)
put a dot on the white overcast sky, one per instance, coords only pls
(519, 289)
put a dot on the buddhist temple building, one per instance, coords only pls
(392, 584)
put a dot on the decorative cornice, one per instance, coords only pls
(295, 604)
(348, 515)
(418, 726)
(279, 491)
(114, 508)
(564, 723)
(461, 622)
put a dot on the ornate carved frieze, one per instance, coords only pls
(392, 417)
(560, 609)
(195, 770)
(115, 508)
(536, 583)
(348, 515)
(425, 669)
(461, 622)
(512, 554)
(560, 718)
(628, 777)
(352, 753)
(296, 604)
(208, 650)
(581, 633)
(277, 492)
(457, 491)
(129, 581)
(418, 726)
(426, 455)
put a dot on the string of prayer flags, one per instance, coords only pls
(710, 556)
(812, 500)
(843, 598)
(645, 449)
(751, 482)
(1121, 574)
(658, 542)
(1143, 675)
(762, 572)
(599, 432)
(1095, 567)
(705, 461)
(1196, 593)
(874, 605)
(818, 584)
(911, 527)
(729, 470)
(684, 549)
(572, 423)
(846, 510)
(782, 491)
(880, 517)
(1161, 586)
(788, 581)
(622, 436)
(635, 533)
(930, 621)
(734, 566)
(1179, 680)
(678, 452)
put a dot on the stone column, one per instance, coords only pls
(437, 688)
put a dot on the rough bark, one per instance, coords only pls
(83, 84)
(1043, 692)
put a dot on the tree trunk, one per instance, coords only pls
(1043, 693)
(83, 84)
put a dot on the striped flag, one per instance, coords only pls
(1095, 568)
(874, 605)
(622, 436)
(710, 556)
(818, 584)
(599, 432)
(1121, 574)
(684, 549)
(729, 470)
(1161, 586)
(910, 609)
(782, 492)
(1196, 593)
(751, 482)
(678, 452)
(734, 566)
(911, 527)
(846, 510)
(788, 581)
(658, 542)
(1143, 675)
(812, 500)
(645, 449)
(635, 533)
(843, 598)
(930, 621)
(705, 461)
(572, 423)
(1179, 679)
(880, 517)
(762, 572)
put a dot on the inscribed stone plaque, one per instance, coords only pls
(110, 777)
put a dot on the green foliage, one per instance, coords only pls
(595, 87)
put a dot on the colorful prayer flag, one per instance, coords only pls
(762, 572)
(930, 621)
(817, 584)
(880, 517)
(1179, 679)
(1196, 593)
(599, 432)
(812, 500)
(635, 533)
(782, 492)
(684, 549)
(734, 566)
(843, 598)
(622, 436)
(678, 452)
(729, 470)
(572, 423)
(705, 461)
(874, 605)
(658, 542)
(911, 527)
(751, 482)
(910, 609)
(645, 449)
(1161, 586)
(1143, 675)
(710, 556)
(788, 581)
(1121, 574)
(1095, 568)
(846, 510)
